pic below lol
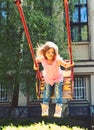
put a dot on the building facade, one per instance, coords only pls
(82, 29)
(84, 68)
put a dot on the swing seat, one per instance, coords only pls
(66, 88)
(67, 84)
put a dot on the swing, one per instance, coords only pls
(66, 88)
(68, 74)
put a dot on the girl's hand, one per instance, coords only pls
(36, 66)
(71, 65)
(68, 65)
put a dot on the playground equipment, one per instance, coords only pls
(68, 74)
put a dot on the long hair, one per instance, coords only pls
(42, 49)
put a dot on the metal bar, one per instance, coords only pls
(18, 3)
(69, 39)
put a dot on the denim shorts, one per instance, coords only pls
(57, 92)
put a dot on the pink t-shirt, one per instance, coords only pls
(52, 72)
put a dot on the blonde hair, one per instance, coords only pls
(42, 49)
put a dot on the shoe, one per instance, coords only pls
(45, 110)
(58, 111)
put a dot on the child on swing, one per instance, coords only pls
(47, 54)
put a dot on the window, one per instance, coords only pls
(3, 92)
(3, 16)
(3, 10)
(79, 21)
(79, 88)
(6, 89)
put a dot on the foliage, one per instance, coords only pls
(15, 57)
(44, 19)
(41, 126)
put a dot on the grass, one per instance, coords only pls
(41, 126)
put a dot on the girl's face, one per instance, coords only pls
(50, 54)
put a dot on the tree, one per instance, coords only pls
(44, 22)
(10, 37)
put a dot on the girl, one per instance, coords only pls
(48, 55)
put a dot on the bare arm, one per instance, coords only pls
(38, 61)
(65, 64)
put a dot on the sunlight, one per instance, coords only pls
(41, 126)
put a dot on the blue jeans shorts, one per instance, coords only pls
(57, 92)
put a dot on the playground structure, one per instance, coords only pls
(68, 74)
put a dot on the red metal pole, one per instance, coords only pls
(69, 39)
(18, 2)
